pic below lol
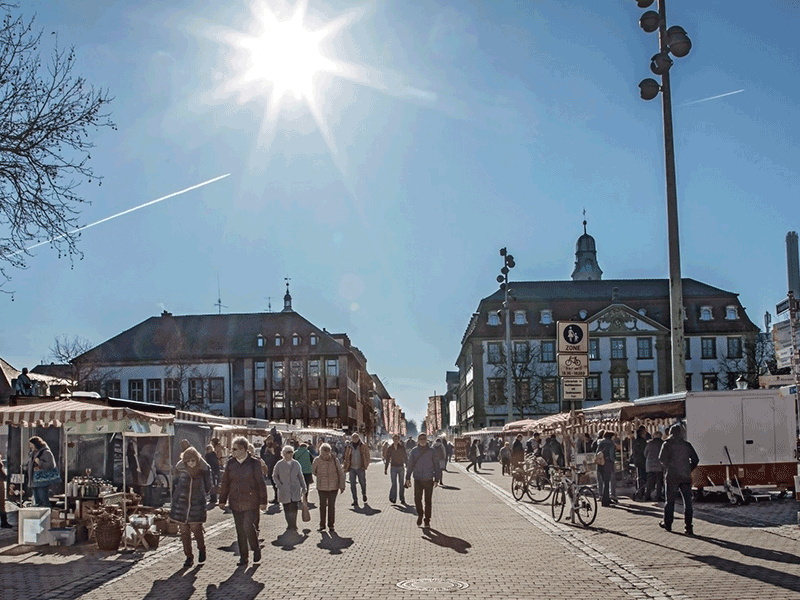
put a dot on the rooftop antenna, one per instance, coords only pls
(269, 304)
(219, 303)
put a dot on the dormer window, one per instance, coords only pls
(519, 317)
(295, 340)
(731, 313)
(313, 339)
(705, 313)
(278, 339)
(582, 314)
(643, 312)
(260, 341)
(494, 318)
(547, 317)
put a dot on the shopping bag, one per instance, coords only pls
(45, 478)
(306, 512)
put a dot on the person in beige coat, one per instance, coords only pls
(330, 479)
(355, 462)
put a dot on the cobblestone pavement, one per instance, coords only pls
(480, 538)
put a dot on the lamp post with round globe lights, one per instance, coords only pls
(672, 40)
(502, 279)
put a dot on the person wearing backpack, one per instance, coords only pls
(605, 471)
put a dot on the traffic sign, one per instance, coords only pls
(573, 388)
(573, 365)
(573, 337)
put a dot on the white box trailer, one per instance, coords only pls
(744, 434)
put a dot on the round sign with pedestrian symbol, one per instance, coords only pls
(573, 334)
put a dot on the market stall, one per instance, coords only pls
(78, 418)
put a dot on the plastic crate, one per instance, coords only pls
(62, 536)
(34, 526)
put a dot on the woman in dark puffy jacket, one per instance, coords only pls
(192, 483)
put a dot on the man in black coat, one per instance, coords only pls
(679, 459)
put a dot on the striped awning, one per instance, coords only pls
(185, 415)
(59, 412)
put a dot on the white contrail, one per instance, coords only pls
(713, 97)
(125, 212)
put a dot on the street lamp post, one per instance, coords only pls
(671, 41)
(502, 279)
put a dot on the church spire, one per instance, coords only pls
(287, 298)
(586, 267)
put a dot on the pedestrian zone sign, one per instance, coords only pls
(573, 337)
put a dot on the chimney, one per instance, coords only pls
(792, 263)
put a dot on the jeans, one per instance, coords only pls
(361, 475)
(397, 474)
(215, 485)
(246, 522)
(327, 504)
(685, 490)
(423, 486)
(41, 496)
(654, 480)
(605, 475)
(186, 530)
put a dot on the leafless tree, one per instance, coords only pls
(47, 113)
(757, 354)
(181, 370)
(87, 375)
(534, 381)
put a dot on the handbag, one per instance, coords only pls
(46, 478)
(600, 459)
(306, 512)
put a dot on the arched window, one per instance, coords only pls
(260, 342)
(313, 339)
(278, 339)
(295, 340)
(731, 313)
(494, 318)
(705, 313)
(547, 317)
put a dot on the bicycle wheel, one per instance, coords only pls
(539, 488)
(518, 488)
(586, 505)
(559, 501)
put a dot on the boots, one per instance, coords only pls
(4, 521)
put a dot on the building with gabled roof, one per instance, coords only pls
(629, 342)
(277, 366)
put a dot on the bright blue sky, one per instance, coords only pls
(487, 124)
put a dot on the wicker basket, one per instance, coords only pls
(108, 538)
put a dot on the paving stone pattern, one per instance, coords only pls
(499, 548)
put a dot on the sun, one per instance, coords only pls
(284, 55)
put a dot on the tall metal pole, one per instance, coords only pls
(795, 351)
(675, 283)
(509, 379)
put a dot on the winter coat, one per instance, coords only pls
(651, 450)
(423, 464)
(348, 455)
(243, 484)
(189, 494)
(679, 459)
(637, 452)
(271, 459)
(288, 477)
(439, 451)
(328, 473)
(46, 462)
(213, 462)
(303, 456)
(472, 453)
(608, 449)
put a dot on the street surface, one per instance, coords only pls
(481, 544)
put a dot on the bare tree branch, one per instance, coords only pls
(46, 115)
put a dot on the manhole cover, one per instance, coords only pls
(433, 585)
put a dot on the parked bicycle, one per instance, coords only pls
(583, 500)
(531, 478)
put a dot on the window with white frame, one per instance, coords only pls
(172, 391)
(260, 342)
(618, 348)
(196, 390)
(494, 353)
(136, 390)
(313, 339)
(645, 384)
(519, 317)
(113, 389)
(154, 391)
(278, 339)
(216, 387)
(313, 368)
(295, 340)
(494, 318)
(296, 370)
(593, 387)
(332, 368)
(706, 313)
(546, 317)
(278, 399)
(548, 351)
(731, 313)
